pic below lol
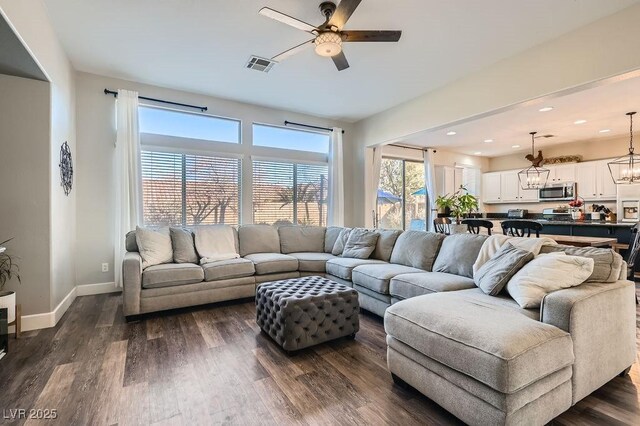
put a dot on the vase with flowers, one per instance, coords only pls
(8, 271)
(575, 208)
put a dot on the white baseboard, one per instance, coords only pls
(100, 288)
(50, 319)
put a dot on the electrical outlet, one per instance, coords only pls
(105, 267)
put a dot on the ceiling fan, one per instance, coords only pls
(329, 36)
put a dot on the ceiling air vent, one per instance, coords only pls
(260, 64)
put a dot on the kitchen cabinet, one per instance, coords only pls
(491, 192)
(562, 173)
(594, 182)
(504, 187)
(445, 180)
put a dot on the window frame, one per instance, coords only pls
(288, 150)
(404, 162)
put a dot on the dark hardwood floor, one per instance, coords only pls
(212, 365)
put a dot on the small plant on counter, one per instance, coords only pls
(460, 203)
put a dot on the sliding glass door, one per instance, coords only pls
(401, 195)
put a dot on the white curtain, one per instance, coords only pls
(375, 181)
(128, 177)
(430, 187)
(335, 210)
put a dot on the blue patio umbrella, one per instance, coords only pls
(421, 191)
(385, 197)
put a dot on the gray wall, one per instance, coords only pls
(24, 186)
(95, 118)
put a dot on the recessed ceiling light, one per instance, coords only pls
(605, 130)
(515, 146)
(579, 121)
(488, 140)
(546, 109)
(477, 153)
(451, 133)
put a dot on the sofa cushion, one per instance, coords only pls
(154, 245)
(184, 249)
(338, 246)
(458, 254)
(417, 249)
(330, 237)
(297, 239)
(481, 336)
(494, 275)
(170, 274)
(607, 263)
(405, 286)
(258, 239)
(216, 242)
(377, 277)
(341, 267)
(130, 241)
(360, 244)
(312, 262)
(228, 269)
(273, 263)
(386, 240)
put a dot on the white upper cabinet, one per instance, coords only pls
(491, 184)
(510, 187)
(562, 173)
(594, 181)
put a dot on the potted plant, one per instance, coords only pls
(8, 270)
(460, 204)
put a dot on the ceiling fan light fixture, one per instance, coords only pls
(328, 44)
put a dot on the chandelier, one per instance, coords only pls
(626, 169)
(535, 176)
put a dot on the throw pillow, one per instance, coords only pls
(607, 263)
(154, 245)
(338, 247)
(331, 235)
(215, 242)
(458, 254)
(184, 250)
(547, 273)
(417, 249)
(386, 240)
(494, 275)
(361, 244)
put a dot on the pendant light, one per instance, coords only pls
(533, 177)
(626, 170)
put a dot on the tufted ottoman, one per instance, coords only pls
(303, 312)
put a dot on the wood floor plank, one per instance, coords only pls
(213, 365)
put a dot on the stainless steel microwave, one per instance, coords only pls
(565, 191)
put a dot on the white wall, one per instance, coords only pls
(24, 188)
(96, 136)
(31, 23)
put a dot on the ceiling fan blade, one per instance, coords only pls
(341, 61)
(364, 36)
(296, 49)
(286, 19)
(343, 12)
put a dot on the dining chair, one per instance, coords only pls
(474, 225)
(520, 228)
(442, 225)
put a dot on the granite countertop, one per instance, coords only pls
(572, 222)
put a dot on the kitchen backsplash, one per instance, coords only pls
(537, 207)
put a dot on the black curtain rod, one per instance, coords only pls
(201, 108)
(286, 123)
(411, 147)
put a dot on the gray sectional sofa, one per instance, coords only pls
(481, 357)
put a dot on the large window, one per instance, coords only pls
(299, 140)
(401, 196)
(170, 122)
(286, 192)
(185, 189)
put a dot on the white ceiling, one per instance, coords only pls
(603, 107)
(202, 46)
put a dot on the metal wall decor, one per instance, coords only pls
(66, 168)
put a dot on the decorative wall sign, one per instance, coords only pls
(563, 159)
(66, 168)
